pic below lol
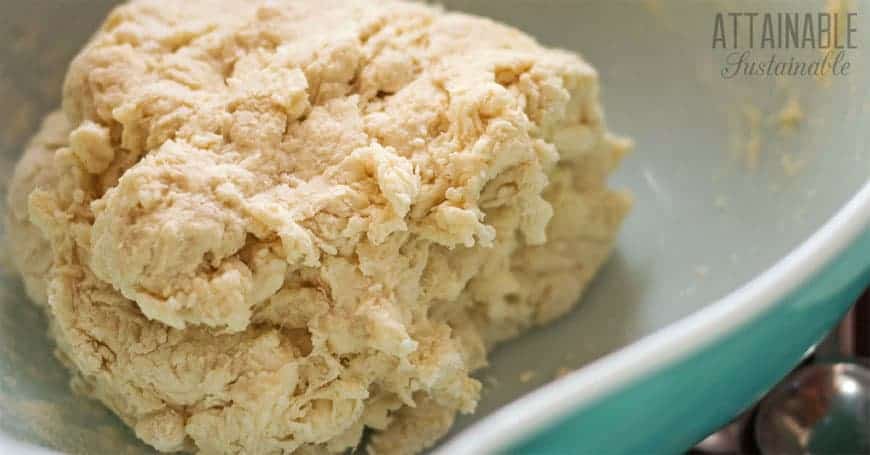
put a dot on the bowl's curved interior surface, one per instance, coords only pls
(704, 223)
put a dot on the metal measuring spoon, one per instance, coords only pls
(824, 407)
(737, 436)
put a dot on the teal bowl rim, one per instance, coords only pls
(551, 409)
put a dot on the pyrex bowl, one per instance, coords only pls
(724, 275)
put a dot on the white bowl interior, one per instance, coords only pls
(703, 224)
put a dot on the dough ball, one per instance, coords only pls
(265, 226)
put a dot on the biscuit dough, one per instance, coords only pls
(265, 226)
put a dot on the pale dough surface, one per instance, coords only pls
(263, 226)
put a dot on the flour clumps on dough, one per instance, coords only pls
(263, 227)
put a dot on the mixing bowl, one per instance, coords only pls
(748, 242)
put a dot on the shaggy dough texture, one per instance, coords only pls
(264, 226)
